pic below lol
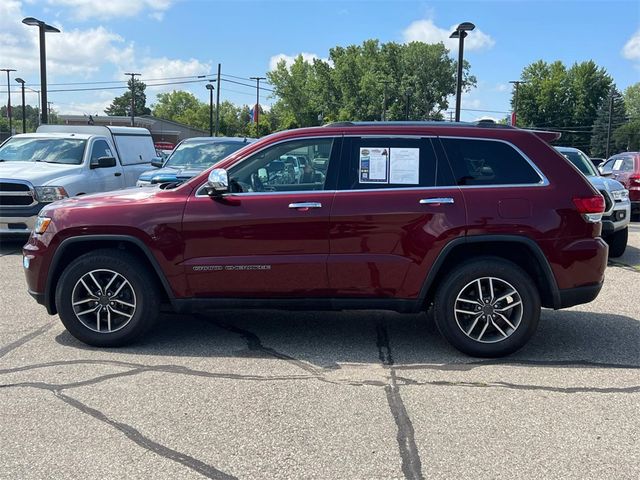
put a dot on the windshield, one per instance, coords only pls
(50, 150)
(581, 161)
(201, 155)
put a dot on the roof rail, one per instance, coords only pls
(421, 123)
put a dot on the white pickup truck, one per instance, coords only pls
(60, 161)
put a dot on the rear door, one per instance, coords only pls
(103, 179)
(390, 217)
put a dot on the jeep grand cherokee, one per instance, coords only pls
(485, 225)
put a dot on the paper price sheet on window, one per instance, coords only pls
(399, 166)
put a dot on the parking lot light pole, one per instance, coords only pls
(515, 101)
(42, 28)
(210, 88)
(24, 107)
(256, 114)
(460, 33)
(8, 70)
(407, 93)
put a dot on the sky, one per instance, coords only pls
(170, 41)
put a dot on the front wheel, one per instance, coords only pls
(618, 242)
(107, 298)
(488, 307)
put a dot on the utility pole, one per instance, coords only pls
(515, 102)
(8, 70)
(609, 127)
(49, 108)
(133, 96)
(384, 100)
(408, 93)
(257, 107)
(209, 86)
(218, 101)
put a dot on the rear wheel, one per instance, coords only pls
(488, 307)
(618, 242)
(107, 298)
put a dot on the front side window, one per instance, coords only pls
(50, 150)
(289, 166)
(100, 149)
(201, 154)
(487, 162)
(607, 167)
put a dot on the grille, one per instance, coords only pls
(608, 204)
(16, 194)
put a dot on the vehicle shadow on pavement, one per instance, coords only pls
(11, 246)
(631, 258)
(330, 339)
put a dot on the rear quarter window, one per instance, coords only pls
(487, 162)
(135, 149)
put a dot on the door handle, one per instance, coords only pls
(304, 206)
(117, 174)
(437, 201)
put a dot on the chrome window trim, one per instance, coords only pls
(544, 181)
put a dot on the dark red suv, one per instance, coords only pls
(485, 224)
(625, 168)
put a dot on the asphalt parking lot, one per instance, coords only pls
(321, 395)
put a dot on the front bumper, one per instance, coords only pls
(618, 219)
(19, 220)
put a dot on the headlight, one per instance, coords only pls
(50, 194)
(620, 195)
(41, 225)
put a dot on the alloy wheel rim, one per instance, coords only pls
(488, 310)
(103, 301)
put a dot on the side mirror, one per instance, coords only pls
(103, 162)
(157, 162)
(217, 183)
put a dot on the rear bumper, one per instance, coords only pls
(579, 295)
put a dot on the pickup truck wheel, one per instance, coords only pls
(618, 242)
(106, 298)
(488, 307)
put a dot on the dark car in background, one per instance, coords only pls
(191, 157)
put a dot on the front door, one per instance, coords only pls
(270, 237)
(390, 217)
(104, 179)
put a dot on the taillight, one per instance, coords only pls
(591, 208)
(634, 179)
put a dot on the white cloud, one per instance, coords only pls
(631, 49)
(76, 52)
(289, 59)
(163, 67)
(428, 32)
(108, 9)
(502, 87)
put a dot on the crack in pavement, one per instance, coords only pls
(465, 367)
(129, 431)
(411, 463)
(27, 338)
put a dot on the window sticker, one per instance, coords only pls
(617, 164)
(404, 166)
(374, 165)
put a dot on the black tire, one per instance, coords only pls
(461, 279)
(618, 242)
(104, 263)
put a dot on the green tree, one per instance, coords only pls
(601, 125)
(177, 105)
(568, 100)
(632, 100)
(121, 105)
(354, 82)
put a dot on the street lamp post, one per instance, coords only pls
(460, 33)
(210, 88)
(8, 70)
(407, 93)
(514, 120)
(24, 107)
(42, 29)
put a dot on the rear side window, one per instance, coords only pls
(389, 163)
(135, 149)
(487, 162)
